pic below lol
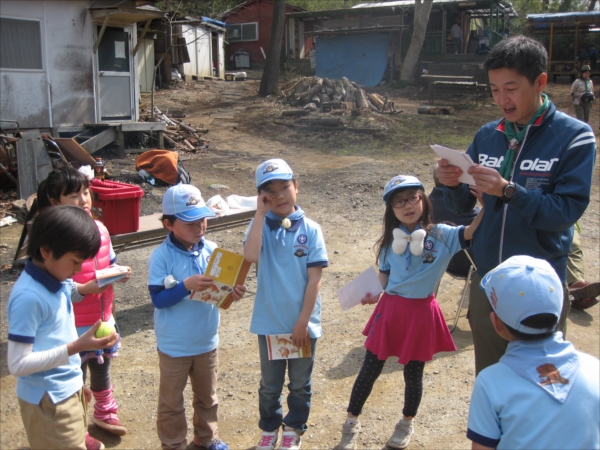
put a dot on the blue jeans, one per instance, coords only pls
(271, 387)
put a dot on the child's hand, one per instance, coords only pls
(197, 282)
(238, 292)
(369, 299)
(87, 393)
(263, 202)
(91, 287)
(477, 193)
(127, 277)
(300, 334)
(88, 341)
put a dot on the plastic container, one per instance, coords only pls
(117, 205)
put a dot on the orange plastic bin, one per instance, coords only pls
(117, 205)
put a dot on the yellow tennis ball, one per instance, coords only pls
(106, 329)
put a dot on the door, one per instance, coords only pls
(115, 93)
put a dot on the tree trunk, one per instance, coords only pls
(422, 11)
(270, 77)
(360, 99)
(592, 5)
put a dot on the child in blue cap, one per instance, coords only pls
(186, 330)
(543, 393)
(292, 255)
(407, 322)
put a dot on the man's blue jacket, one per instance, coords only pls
(553, 174)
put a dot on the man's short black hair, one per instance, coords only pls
(543, 321)
(64, 229)
(521, 53)
(170, 217)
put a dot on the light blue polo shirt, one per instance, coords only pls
(40, 313)
(507, 411)
(417, 276)
(283, 276)
(189, 327)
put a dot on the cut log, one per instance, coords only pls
(170, 141)
(350, 93)
(306, 96)
(338, 89)
(434, 110)
(372, 106)
(374, 98)
(327, 83)
(360, 99)
(316, 100)
(447, 110)
(345, 82)
(188, 145)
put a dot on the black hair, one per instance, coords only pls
(170, 217)
(542, 321)
(64, 229)
(263, 186)
(390, 221)
(523, 54)
(60, 182)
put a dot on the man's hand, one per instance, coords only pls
(488, 180)
(447, 174)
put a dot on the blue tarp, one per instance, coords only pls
(360, 58)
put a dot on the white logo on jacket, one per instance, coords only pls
(536, 165)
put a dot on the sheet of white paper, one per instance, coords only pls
(456, 158)
(119, 49)
(352, 293)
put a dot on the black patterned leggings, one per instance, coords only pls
(370, 371)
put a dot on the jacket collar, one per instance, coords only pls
(549, 112)
(196, 248)
(275, 224)
(43, 277)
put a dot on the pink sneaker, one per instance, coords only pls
(111, 425)
(268, 440)
(290, 439)
(92, 444)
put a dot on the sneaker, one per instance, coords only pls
(111, 425)
(92, 444)
(216, 444)
(268, 440)
(290, 439)
(350, 432)
(401, 436)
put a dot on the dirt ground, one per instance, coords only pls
(341, 178)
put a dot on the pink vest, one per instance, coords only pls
(95, 306)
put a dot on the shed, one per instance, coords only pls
(564, 34)
(68, 66)
(249, 30)
(383, 31)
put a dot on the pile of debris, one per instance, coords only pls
(179, 135)
(314, 93)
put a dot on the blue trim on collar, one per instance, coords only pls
(275, 224)
(43, 277)
(195, 248)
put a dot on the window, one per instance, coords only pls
(20, 44)
(242, 32)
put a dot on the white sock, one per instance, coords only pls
(351, 420)
(406, 421)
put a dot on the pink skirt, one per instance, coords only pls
(411, 329)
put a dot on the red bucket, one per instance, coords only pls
(117, 205)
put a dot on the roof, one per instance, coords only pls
(247, 3)
(398, 6)
(579, 16)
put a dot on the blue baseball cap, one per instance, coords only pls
(523, 286)
(273, 169)
(401, 182)
(185, 202)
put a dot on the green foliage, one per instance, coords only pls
(209, 8)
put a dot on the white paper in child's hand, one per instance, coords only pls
(456, 158)
(352, 293)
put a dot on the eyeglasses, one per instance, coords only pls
(400, 202)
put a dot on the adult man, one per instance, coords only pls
(535, 169)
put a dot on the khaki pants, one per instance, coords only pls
(56, 426)
(489, 346)
(171, 422)
(575, 261)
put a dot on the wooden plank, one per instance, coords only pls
(33, 162)
(144, 126)
(141, 38)
(74, 151)
(99, 141)
(101, 33)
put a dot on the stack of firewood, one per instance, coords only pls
(327, 95)
(179, 135)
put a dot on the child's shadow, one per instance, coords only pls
(581, 317)
(350, 365)
(108, 439)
